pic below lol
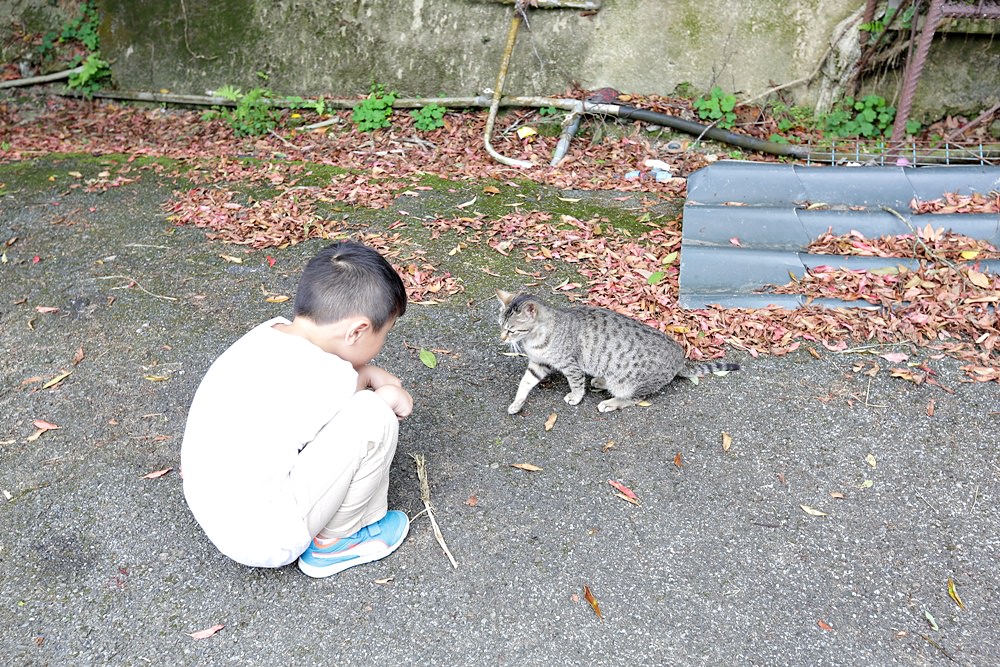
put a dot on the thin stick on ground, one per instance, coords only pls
(425, 496)
(136, 283)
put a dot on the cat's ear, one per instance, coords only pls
(530, 309)
(504, 297)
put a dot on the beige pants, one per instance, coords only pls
(341, 478)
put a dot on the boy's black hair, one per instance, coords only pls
(348, 279)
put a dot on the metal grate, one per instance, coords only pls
(914, 154)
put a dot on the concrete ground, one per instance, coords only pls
(719, 564)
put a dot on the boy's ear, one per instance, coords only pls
(357, 329)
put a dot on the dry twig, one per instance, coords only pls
(425, 496)
(136, 283)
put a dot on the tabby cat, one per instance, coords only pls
(627, 358)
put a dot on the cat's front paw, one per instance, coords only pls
(573, 398)
(607, 406)
(514, 407)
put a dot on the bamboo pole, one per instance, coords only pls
(515, 23)
(45, 78)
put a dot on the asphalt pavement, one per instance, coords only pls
(831, 531)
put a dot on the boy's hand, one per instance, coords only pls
(373, 377)
(396, 398)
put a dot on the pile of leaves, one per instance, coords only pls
(943, 307)
(927, 243)
(953, 202)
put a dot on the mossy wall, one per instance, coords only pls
(430, 47)
(453, 47)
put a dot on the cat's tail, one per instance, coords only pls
(694, 371)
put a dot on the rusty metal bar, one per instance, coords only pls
(911, 76)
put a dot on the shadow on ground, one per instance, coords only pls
(719, 564)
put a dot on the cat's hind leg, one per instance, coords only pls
(615, 403)
(532, 376)
(598, 384)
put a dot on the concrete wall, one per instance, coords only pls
(427, 47)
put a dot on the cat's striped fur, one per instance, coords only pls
(621, 355)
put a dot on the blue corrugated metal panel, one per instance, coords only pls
(747, 224)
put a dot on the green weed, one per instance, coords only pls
(717, 107)
(374, 112)
(868, 117)
(92, 74)
(429, 117)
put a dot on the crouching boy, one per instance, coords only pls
(291, 433)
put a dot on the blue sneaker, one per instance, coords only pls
(370, 543)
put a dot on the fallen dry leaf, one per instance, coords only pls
(41, 427)
(677, 460)
(386, 580)
(812, 511)
(589, 597)
(838, 495)
(551, 421)
(727, 441)
(606, 446)
(207, 632)
(78, 357)
(156, 473)
(280, 298)
(57, 379)
(526, 466)
(823, 625)
(47, 309)
(979, 279)
(472, 501)
(634, 501)
(627, 492)
(953, 593)
(930, 408)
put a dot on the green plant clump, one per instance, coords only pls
(92, 73)
(869, 117)
(254, 113)
(429, 117)
(374, 112)
(82, 29)
(717, 107)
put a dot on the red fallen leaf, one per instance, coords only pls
(824, 625)
(270, 261)
(589, 597)
(207, 632)
(624, 489)
(44, 425)
(472, 501)
(677, 460)
(157, 473)
(46, 309)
